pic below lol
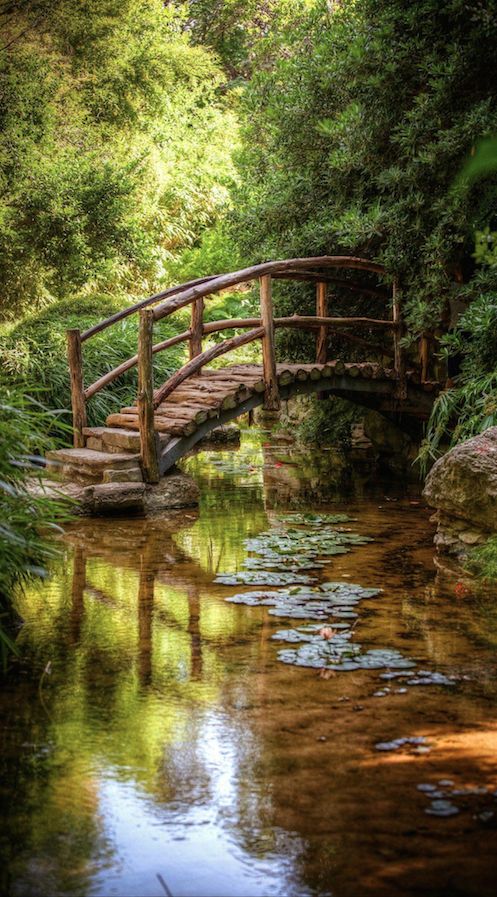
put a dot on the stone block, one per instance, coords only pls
(130, 475)
(175, 490)
(118, 498)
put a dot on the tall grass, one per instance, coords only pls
(34, 351)
(27, 522)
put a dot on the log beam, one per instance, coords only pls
(148, 440)
(271, 395)
(78, 401)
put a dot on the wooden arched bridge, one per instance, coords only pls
(146, 439)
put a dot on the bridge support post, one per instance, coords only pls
(424, 356)
(148, 439)
(399, 352)
(271, 395)
(196, 328)
(322, 334)
(78, 399)
(322, 312)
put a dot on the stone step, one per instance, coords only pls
(91, 458)
(116, 498)
(115, 440)
(89, 466)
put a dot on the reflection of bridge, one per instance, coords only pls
(168, 422)
(149, 548)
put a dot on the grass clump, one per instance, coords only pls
(27, 522)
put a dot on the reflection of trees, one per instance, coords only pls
(295, 477)
(77, 594)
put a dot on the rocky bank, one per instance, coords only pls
(462, 487)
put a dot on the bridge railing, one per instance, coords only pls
(194, 293)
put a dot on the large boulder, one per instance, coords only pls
(462, 486)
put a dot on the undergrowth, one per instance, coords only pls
(27, 522)
(34, 351)
(482, 561)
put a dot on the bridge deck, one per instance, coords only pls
(205, 396)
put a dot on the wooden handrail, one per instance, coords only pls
(218, 284)
(341, 261)
(298, 321)
(133, 309)
(130, 363)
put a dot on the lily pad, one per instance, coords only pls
(334, 600)
(262, 578)
(315, 519)
(336, 653)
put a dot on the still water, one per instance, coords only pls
(153, 743)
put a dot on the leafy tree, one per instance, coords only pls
(243, 33)
(353, 140)
(115, 146)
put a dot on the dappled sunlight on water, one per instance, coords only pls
(152, 740)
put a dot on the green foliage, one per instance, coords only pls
(353, 138)
(34, 351)
(482, 560)
(483, 161)
(482, 165)
(242, 33)
(215, 253)
(27, 521)
(470, 406)
(115, 147)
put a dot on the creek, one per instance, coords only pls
(330, 731)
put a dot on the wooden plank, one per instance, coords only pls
(399, 354)
(149, 449)
(78, 402)
(132, 422)
(271, 394)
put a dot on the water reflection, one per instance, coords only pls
(165, 739)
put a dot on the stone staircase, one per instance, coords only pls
(106, 476)
(111, 455)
